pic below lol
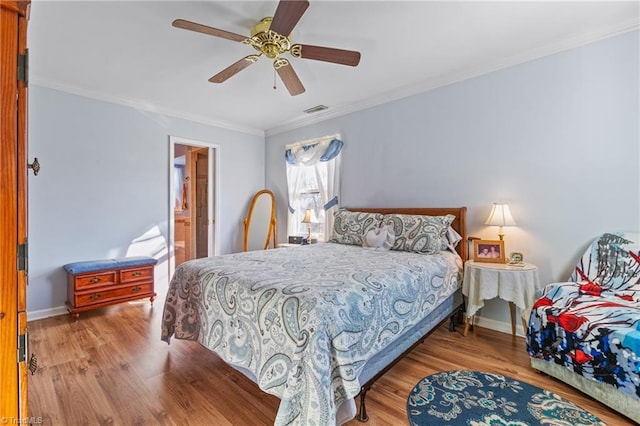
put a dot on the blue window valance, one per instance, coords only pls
(302, 154)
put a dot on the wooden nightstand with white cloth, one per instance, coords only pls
(518, 285)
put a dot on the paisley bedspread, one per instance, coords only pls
(592, 324)
(305, 320)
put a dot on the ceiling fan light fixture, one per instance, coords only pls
(262, 26)
(266, 41)
(270, 37)
(316, 108)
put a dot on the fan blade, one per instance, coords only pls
(287, 15)
(192, 26)
(326, 54)
(234, 69)
(288, 76)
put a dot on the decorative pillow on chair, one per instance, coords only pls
(611, 262)
(351, 227)
(418, 233)
(380, 238)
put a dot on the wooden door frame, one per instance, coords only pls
(193, 190)
(213, 195)
(13, 223)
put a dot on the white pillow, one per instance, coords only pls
(451, 240)
(380, 238)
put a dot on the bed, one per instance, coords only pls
(316, 325)
(586, 332)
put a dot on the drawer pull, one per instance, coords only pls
(94, 280)
(137, 273)
(136, 289)
(95, 296)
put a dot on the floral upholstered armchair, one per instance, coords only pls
(586, 332)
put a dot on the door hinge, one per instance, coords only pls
(23, 256)
(23, 67)
(22, 348)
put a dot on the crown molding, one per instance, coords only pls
(140, 105)
(461, 75)
(341, 110)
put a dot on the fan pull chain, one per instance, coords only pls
(274, 79)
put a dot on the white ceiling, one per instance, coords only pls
(128, 52)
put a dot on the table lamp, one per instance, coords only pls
(500, 216)
(307, 219)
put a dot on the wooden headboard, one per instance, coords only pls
(459, 223)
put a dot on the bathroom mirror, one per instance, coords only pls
(260, 224)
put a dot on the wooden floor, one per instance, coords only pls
(111, 368)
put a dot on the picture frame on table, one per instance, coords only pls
(491, 251)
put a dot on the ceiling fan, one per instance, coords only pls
(270, 37)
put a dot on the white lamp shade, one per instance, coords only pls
(307, 217)
(500, 216)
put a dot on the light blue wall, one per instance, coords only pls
(104, 183)
(557, 138)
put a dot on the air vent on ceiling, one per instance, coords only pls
(316, 108)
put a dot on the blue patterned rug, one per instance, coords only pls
(474, 398)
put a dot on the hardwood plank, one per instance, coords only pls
(119, 371)
(44, 399)
(82, 401)
(183, 404)
(121, 385)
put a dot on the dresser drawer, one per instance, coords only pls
(136, 274)
(96, 279)
(95, 284)
(105, 295)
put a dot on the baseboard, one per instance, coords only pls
(501, 326)
(46, 313)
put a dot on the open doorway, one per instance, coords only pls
(193, 190)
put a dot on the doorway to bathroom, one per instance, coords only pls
(193, 189)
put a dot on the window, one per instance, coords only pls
(308, 199)
(313, 185)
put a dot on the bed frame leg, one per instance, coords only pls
(362, 411)
(452, 323)
(452, 318)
